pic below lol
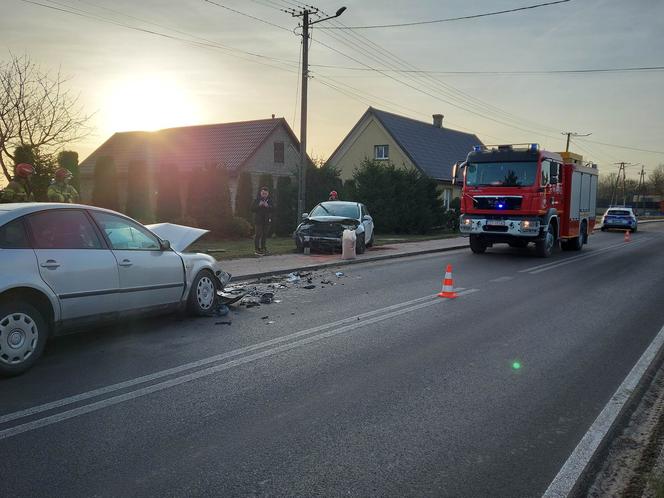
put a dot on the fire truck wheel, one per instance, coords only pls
(544, 247)
(476, 245)
(576, 244)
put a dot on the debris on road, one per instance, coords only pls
(339, 274)
(310, 286)
(267, 298)
(222, 310)
(227, 322)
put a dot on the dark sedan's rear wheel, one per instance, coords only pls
(23, 333)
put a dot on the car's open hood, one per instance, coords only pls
(179, 236)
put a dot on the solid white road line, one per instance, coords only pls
(176, 381)
(564, 482)
(199, 363)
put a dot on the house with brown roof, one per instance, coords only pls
(257, 147)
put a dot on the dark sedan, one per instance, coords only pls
(323, 227)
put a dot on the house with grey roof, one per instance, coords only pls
(429, 147)
(258, 147)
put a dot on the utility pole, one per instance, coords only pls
(573, 134)
(622, 177)
(641, 187)
(305, 14)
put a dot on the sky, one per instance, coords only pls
(209, 64)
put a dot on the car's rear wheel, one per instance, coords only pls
(23, 334)
(203, 293)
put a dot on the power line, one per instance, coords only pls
(502, 73)
(203, 43)
(475, 16)
(627, 147)
(246, 15)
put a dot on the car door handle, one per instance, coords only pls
(125, 262)
(51, 264)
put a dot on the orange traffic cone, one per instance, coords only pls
(448, 285)
(628, 237)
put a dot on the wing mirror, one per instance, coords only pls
(366, 217)
(305, 216)
(164, 245)
(455, 170)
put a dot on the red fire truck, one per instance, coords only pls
(517, 194)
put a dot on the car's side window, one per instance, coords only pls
(63, 229)
(124, 234)
(13, 236)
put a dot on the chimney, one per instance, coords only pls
(438, 120)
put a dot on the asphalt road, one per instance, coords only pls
(369, 387)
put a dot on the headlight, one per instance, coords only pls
(525, 224)
(467, 221)
(349, 227)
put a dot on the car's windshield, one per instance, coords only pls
(501, 174)
(336, 209)
(618, 212)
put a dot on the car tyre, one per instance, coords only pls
(203, 294)
(371, 241)
(23, 334)
(360, 245)
(476, 245)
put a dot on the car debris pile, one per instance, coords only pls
(264, 291)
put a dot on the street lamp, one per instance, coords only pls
(301, 191)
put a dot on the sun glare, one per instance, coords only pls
(149, 103)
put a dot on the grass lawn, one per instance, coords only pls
(243, 248)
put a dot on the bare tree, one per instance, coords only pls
(656, 180)
(36, 110)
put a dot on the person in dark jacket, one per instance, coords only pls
(262, 208)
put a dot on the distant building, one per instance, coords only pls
(409, 143)
(258, 147)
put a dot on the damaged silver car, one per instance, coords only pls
(67, 266)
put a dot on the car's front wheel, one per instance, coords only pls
(203, 293)
(23, 334)
(361, 243)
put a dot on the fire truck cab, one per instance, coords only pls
(518, 194)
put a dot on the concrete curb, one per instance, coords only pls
(249, 276)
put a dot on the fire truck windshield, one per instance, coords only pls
(501, 174)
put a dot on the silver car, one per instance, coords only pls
(68, 266)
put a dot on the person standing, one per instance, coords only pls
(19, 189)
(262, 208)
(61, 190)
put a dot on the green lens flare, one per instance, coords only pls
(516, 365)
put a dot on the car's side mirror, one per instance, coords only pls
(366, 217)
(305, 216)
(164, 245)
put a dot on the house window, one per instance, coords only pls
(279, 152)
(381, 152)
